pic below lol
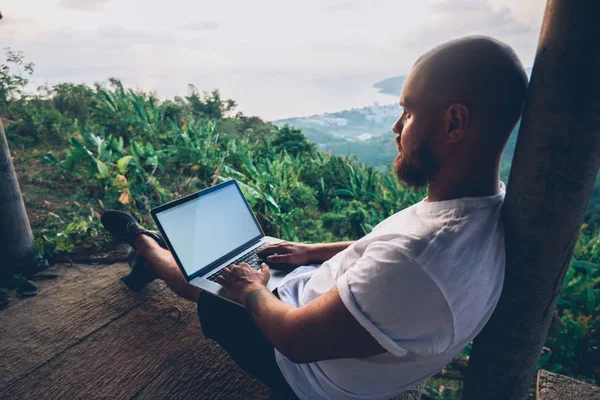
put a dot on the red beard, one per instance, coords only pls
(417, 167)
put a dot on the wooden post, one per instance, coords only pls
(553, 171)
(16, 239)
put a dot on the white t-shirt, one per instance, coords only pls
(424, 282)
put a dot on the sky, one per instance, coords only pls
(275, 58)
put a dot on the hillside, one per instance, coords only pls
(354, 124)
(391, 86)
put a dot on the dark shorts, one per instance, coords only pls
(233, 328)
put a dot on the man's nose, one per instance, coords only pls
(397, 127)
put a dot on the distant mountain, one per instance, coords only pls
(362, 132)
(379, 151)
(391, 86)
(354, 124)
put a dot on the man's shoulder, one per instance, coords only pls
(454, 251)
(406, 233)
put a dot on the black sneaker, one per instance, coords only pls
(124, 227)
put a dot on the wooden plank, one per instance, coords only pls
(551, 386)
(122, 359)
(202, 372)
(67, 309)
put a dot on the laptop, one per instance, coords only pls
(210, 230)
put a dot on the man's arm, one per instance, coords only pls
(324, 329)
(296, 254)
(324, 251)
(321, 330)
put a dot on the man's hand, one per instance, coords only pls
(239, 280)
(291, 255)
(288, 253)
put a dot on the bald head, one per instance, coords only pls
(479, 72)
(461, 101)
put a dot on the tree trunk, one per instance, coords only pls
(555, 164)
(16, 239)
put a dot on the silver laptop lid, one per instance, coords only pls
(206, 228)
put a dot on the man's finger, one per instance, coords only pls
(264, 268)
(272, 249)
(223, 282)
(279, 259)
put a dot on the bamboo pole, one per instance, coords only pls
(555, 164)
(16, 239)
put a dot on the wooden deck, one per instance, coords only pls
(86, 336)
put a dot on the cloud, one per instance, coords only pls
(14, 31)
(458, 5)
(343, 6)
(469, 15)
(458, 18)
(333, 47)
(473, 14)
(8, 21)
(84, 5)
(201, 26)
(121, 36)
(323, 59)
(67, 54)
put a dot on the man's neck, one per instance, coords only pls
(482, 183)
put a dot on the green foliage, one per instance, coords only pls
(13, 79)
(79, 229)
(378, 151)
(132, 151)
(292, 141)
(574, 337)
(129, 155)
(208, 105)
(37, 122)
(71, 100)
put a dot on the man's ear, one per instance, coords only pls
(457, 121)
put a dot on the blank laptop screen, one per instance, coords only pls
(207, 228)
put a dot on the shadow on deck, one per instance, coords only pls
(86, 336)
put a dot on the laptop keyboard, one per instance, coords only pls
(250, 258)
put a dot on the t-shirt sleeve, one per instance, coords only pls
(396, 301)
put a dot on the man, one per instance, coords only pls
(384, 313)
